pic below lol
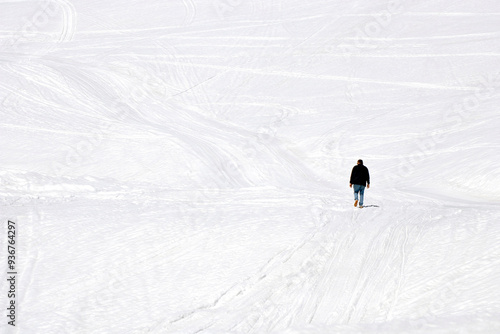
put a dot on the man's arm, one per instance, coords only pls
(367, 178)
(350, 180)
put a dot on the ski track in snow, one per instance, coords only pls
(182, 167)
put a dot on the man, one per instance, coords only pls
(360, 177)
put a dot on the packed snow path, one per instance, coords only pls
(183, 166)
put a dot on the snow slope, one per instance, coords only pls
(182, 166)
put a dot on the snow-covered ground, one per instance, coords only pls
(183, 166)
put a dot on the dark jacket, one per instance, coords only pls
(360, 175)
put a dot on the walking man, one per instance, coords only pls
(360, 177)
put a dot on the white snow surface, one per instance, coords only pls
(183, 166)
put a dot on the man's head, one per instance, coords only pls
(360, 162)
